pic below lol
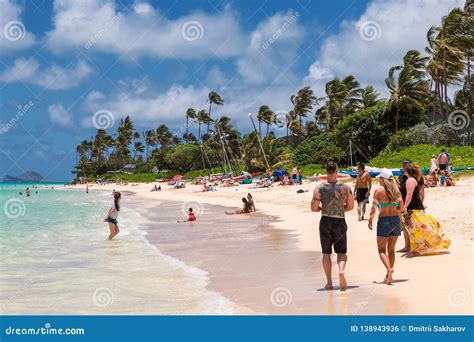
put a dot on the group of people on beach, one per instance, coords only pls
(439, 167)
(400, 206)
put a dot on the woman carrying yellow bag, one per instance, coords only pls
(424, 233)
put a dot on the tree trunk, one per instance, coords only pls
(199, 132)
(397, 115)
(209, 123)
(187, 127)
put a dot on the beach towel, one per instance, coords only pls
(426, 234)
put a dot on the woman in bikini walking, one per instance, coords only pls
(388, 200)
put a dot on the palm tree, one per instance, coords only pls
(267, 116)
(215, 98)
(137, 147)
(164, 136)
(446, 48)
(369, 97)
(202, 118)
(303, 103)
(190, 114)
(407, 90)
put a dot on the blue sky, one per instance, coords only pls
(63, 61)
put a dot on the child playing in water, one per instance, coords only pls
(191, 216)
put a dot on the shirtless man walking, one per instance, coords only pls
(362, 190)
(333, 199)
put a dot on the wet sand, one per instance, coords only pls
(254, 264)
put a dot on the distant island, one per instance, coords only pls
(28, 176)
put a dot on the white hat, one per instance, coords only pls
(385, 173)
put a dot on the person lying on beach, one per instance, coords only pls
(191, 216)
(388, 200)
(244, 210)
(251, 202)
(112, 216)
(156, 188)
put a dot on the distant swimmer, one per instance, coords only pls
(191, 216)
(27, 192)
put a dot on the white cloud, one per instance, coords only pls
(59, 115)
(166, 107)
(13, 33)
(273, 49)
(151, 109)
(54, 78)
(397, 26)
(143, 31)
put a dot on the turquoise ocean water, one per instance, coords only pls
(55, 260)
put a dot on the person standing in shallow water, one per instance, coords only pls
(333, 199)
(112, 216)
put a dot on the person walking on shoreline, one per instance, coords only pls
(362, 190)
(333, 199)
(388, 200)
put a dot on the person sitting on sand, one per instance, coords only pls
(333, 199)
(155, 188)
(431, 180)
(443, 178)
(244, 210)
(251, 202)
(362, 188)
(191, 216)
(112, 216)
(388, 200)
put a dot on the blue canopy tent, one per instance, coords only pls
(278, 174)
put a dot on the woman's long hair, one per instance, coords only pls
(391, 189)
(117, 196)
(414, 171)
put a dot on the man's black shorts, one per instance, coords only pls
(332, 231)
(361, 194)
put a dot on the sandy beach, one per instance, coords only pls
(270, 262)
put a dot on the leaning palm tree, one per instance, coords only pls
(190, 114)
(406, 91)
(267, 116)
(303, 103)
(201, 118)
(369, 97)
(215, 98)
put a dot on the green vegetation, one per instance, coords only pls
(421, 155)
(318, 127)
